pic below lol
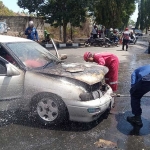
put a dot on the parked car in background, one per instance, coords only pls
(3, 27)
(36, 81)
(138, 32)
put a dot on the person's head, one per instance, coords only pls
(88, 56)
(115, 30)
(95, 27)
(126, 29)
(31, 24)
(111, 29)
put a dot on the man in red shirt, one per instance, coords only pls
(109, 60)
(125, 37)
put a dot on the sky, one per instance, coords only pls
(135, 14)
(12, 4)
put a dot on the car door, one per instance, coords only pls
(11, 85)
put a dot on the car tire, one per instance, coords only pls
(48, 109)
(100, 44)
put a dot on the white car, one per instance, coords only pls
(34, 80)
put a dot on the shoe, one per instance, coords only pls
(135, 130)
(126, 49)
(135, 120)
(123, 49)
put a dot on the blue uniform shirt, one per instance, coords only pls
(32, 33)
(139, 73)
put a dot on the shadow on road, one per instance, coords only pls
(22, 118)
(127, 129)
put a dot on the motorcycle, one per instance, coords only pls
(133, 39)
(94, 41)
(114, 41)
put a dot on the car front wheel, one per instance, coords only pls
(49, 109)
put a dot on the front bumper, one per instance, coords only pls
(79, 110)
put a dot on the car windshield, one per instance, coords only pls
(138, 31)
(32, 54)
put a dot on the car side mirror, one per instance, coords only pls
(63, 56)
(11, 70)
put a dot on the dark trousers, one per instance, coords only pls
(125, 43)
(136, 92)
(94, 36)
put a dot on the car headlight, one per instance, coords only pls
(97, 94)
(91, 96)
(86, 96)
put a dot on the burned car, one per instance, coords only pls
(36, 81)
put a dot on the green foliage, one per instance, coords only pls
(113, 13)
(4, 11)
(62, 12)
(143, 20)
(131, 22)
(31, 5)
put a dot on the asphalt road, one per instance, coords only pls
(18, 133)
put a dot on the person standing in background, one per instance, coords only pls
(125, 37)
(94, 32)
(31, 32)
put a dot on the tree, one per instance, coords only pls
(31, 5)
(113, 13)
(143, 20)
(4, 11)
(131, 22)
(62, 12)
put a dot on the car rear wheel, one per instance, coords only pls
(49, 109)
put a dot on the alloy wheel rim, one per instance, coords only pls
(47, 109)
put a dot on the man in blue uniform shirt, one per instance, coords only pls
(140, 85)
(31, 32)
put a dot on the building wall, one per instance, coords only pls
(18, 24)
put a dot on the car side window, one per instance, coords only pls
(3, 69)
(6, 55)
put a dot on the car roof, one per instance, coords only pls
(6, 39)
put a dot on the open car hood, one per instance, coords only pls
(89, 73)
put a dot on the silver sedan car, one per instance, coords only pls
(35, 80)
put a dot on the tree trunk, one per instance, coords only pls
(64, 32)
(71, 33)
(146, 30)
(60, 33)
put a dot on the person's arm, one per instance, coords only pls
(146, 77)
(101, 61)
(27, 31)
(133, 78)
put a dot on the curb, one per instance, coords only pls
(63, 45)
(76, 45)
